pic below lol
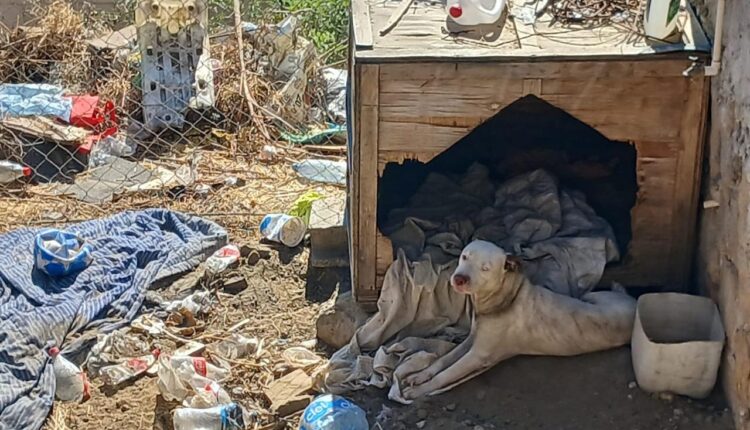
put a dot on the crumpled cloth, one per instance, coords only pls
(34, 99)
(564, 244)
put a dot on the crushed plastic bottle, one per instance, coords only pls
(208, 393)
(176, 375)
(10, 171)
(222, 259)
(71, 384)
(330, 412)
(108, 149)
(130, 369)
(225, 417)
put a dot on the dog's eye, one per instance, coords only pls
(463, 257)
(485, 267)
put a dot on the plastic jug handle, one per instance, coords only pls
(496, 10)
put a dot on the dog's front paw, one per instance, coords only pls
(418, 378)
(414, 392)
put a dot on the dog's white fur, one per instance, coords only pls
(512, 317)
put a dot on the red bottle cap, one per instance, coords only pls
(54, 352)
(26, 171)
(455, 11)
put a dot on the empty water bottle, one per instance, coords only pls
(329, 412)
(10, 171)
(224, 417)
(71, 384)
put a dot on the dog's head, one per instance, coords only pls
(482, 266)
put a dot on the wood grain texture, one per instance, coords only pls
(367, 104)
(361, 25)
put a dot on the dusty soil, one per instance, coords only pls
(284, 296)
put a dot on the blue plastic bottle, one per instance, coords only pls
(329, 412)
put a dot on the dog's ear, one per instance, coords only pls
(512, 263)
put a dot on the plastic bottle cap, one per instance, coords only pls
(54, 352)
(26, 171)
(455, 11)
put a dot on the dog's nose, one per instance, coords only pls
(460, 280)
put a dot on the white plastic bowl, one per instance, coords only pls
(677, 343)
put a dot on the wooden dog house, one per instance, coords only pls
(419, 88)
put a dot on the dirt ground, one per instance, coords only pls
(283, 297)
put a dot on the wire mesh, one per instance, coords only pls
(184, 104)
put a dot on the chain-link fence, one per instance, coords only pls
(185, 104)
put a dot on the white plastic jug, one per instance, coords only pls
(660, 20)
(475, 12)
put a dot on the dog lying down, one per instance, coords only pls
(513, 317)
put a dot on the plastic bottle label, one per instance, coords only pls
(318, 410)
(199, 364)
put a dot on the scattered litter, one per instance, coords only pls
(130, 369)
(330, 412)
(71, 384)
(283, 228)
(106, 150)
(32, 100)
(298, 357)
(10, 171)
(207, 393)
(115, 40)
(196, 303)
(326, 171)
(47, 129)
(236, 347)
(315, 134)
(224, 417)
(112, 347)
(302, 207)
(176, 376)
(335, 82)
(60, 253)
(268, 153)
(222, 259)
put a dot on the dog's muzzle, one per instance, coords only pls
(460, 282)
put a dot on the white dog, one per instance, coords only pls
(514, 317)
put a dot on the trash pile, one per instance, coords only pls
(83, 109)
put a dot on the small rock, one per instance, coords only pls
(450, 407)
(481, 394)
(632, 385)
(677, 412)
(421, 414)
(124, 407)
(421, 424)
(337, 325)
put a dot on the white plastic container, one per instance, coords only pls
(71, 384)
(287, 229)
(677, 343)
(475, 12)
(660, 19)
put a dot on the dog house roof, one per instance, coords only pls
(422, 33)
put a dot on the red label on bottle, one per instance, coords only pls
(199, 364)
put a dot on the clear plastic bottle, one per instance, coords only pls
(176, 374)
(475, 12)
(208, 393)
(224, 417)
(71, 384)
(186, 367)
(10, 171)
(329, 412)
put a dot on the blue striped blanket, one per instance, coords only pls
(132, 250)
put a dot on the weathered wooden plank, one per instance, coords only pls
(369, 81)
(412, 137)
(479, 71)
(362, 24)
(687, 185)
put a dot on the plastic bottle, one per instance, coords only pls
(329, 412)
(222, 259)
(71, 384)
(10, 171)
(224, 417)
(177, 373)
(475, 12)
(118, 373)
(208, 393)
(186, 367)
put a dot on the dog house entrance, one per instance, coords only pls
(528, 135)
